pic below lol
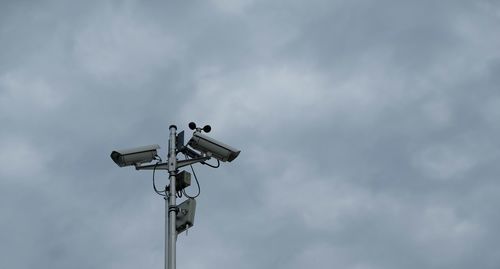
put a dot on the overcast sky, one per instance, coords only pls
(369, 132)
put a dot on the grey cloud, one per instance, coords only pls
(368, 132)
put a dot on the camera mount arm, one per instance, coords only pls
(164, 166)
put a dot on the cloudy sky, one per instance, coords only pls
(368, 129)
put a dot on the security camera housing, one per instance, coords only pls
(135, 156)
(213, 148)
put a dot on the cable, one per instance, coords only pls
(154, 185)
(197, 183)
(213, 166)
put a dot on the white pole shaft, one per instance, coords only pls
(166, 233)
(171, 206)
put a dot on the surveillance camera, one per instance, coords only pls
(213, 148)
(134, 156)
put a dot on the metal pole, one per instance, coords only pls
(166, 232)
(171, 206)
